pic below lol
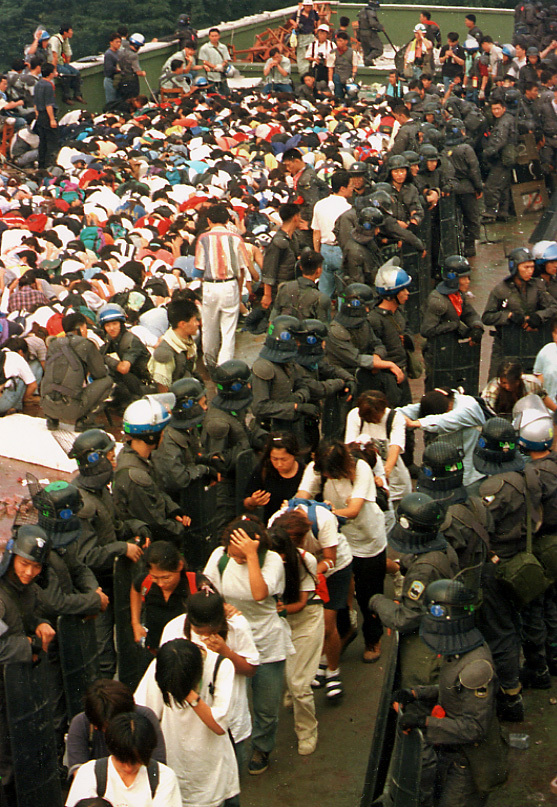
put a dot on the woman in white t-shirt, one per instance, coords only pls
(303, 609)
(350, 488)
(190, 691)
(250, 576)
(206, 624)
(387, 428)
(128, 780)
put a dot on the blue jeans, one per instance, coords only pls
(37, 369)
(274, 86)
(266, 689)
(332, 264)
(70, 79)
(340, 88)
(12, 397)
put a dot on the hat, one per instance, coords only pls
(307, 2)
(323, 28)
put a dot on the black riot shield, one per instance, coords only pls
(333, 419)
(402, 788)
(31, 732)
(245, 466)
(199, 501)
(78, 658)
(419, 270)
(383, 732)
(382, 380)
(525, 345)
(449, 230)
(132, 660)
(452, 363)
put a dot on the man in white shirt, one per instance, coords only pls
(17, 382)
(325, 214)
(215, 59)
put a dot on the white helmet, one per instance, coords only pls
(533, 423)
(137, 40)
(147, 417)
(391, 278)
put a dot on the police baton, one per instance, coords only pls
(390, 41)
(149, 88)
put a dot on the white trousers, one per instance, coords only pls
(219, 316)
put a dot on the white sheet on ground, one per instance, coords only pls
(27, 439)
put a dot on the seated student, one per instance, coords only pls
(104, 699)
(277, 72)
(176, 77)
(127, 776)
(17, 382)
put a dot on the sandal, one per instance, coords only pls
(319, 680)
(333, 688)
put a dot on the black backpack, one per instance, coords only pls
(101, 775)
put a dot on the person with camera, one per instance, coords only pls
(277, 72)
(318, 52)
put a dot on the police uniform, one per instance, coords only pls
(361, 257)
(498, 181)
(468, 183)
(277, 388)
(127, 347)
(368, 33)
(138, 496)
(301, 298)
(279, 261)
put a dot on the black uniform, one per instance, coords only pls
(301, 298)
(468, 183)
(498, 155)
(368, 33)
(127, 347)
(279, 261)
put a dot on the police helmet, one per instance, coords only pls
(428, 152)
(516, 257)
(397, 161)
(232, 377)
(201, 81)
(357, 169)
(411, 98)
(543, 252)
(90, 450)
(280, 342)
(312, 333)
(58, 505)
(391, 278)
(383, 201)
(187, 410)
(356, 299)
(417, 527)
(111, 312)
(137, 40)
(442, 472)
(497, 448)
(146, 418)
(29, 542)
(509, 50)
(534, 423)
(370, 217)
(411, 157)
(455, 130)
(448, 626)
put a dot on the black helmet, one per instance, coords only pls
(357, 169)
(428, 152)
(512, 99)
(58, 505)
(30, 542)
(310, 341)
(454, 267)
(448, 626)
(382, 200)
(411, 157)
(417, 529)
(90, 450)
(516, 257)
(397, 161)
(455, 129)
(232, 379)
(280, 342)
(356, 299)
(442, 472)
(411, 97)
(370, 217)
(187, 411)
(383, 186)
(497, 448)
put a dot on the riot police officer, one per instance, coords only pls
(137, 493)
(125, 356)
(462, 727)
(361, 256)
(519, 301)
(362, 185)
(424, 556)
(368, 32)
(498, 154)
(545, 264)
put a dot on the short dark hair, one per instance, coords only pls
(471, 17)
(34, 62)
(214, 29)
(218, 214)
(66, 27)
(18, 65)
(181, 311)
(529, 85)
(340, 179)
(114, 35)
(426, 14)
(131, 737)
(94, 801)
(133, 269)
(71, 322)
(436, 402)
(105, 699)
(27, 279)
(175, 64)
(287, 211)
(47, 69)
(164, 555)
(292, 154)
(400, 109)
(342, 35)
(344, 21)
(489, 39)
(179, 669)
(273, 51)
(452, 36)
(310, 261)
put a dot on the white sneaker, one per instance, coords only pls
(307, 747)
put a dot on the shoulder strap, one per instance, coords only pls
(218, 662)
(389, 422)
(192, 579)
(223, 563)
(101, 775)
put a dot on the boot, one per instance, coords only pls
(510, 707)
(52, 424)
(535, 679)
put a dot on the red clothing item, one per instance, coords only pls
(456, 300)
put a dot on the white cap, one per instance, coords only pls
(307, 2)
(323, 28)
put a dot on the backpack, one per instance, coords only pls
(487, 411)
(101, 776)
(312, 506)
(93, 238)
(148, 582)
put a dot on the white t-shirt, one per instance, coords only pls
(270, 633)
(203, 761)
(325, 214)
(546, 365)
(240, 640)
(328, 536)
(365, 533)
(400, 483)
(15, 366)
(138, 794)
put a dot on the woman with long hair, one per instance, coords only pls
(277, 477)
(349, 486)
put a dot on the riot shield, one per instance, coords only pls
(402, 788)
(79, 658)
(245, 465)
(419, 270)
(449, 229)
(525, 345)
(31, 733)
(131, 657)
(333, 419)
(199, 501)
(382, 380)
(383, 732)
(452, 363)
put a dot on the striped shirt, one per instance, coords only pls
(221, 254)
